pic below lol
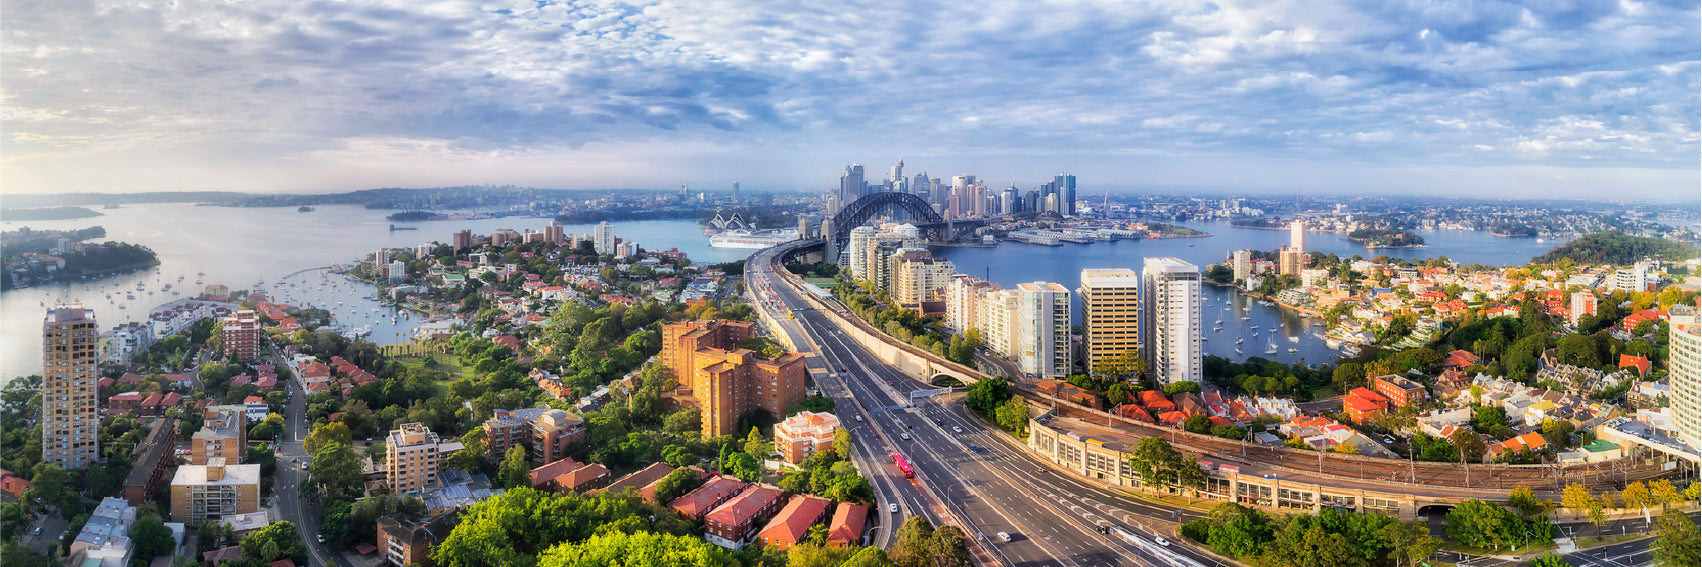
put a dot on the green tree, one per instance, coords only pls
(337, 469)
(1526, 502)
(1316, 547)
(913, 548)
(516, 471)
(744, 466)
(281, 536)
(151, 537)
(1483, 524)
(683, 421)
(1239, 531)
(48, 481)
(986, 395)
(640, 549)
(1662, 492)
(1677, 539)
(1549, 560)
(1013, 416)
(1411, 542)
(948, 548)
(758, 445)
(1158, 464)
(842, 443)
(324, 434)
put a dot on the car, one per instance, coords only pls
(904, 436)
(893, 507)
(1005, 536)
(1162, 541)
(889, 382)
(957, 429)
(938, 422)
(38, 530)
(844, 369)
(319, 537)
(859, 418)
(974, 448)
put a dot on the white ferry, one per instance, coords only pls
(753, 239)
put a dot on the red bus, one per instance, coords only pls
(903, 467)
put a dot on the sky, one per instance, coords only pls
(1548, 98)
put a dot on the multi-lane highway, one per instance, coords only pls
(967, 473)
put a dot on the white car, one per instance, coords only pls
(893, 507)
(957, 429)
(1005, 536)
(1162, 541)
(904, 436)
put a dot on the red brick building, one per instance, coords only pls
(242, 335)
(733, 524)
(724, 380)
(794, 521)
(1400, 391)
(697, 503)
(846, 528)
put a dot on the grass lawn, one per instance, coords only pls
(445, 363)
(1588, 542)
(1323, 393)
(824, 283)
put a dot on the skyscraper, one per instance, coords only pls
(1110, 313)
(1065, 184)
(604, 238)
(897, 179)
(70, 417)
(1008, 201)
(735, 192)
(857, 251)
(1170, 318)
(1042, 329)
(920, 187)
(1684, 333)
(941, 194)
(1297, 235)
(241, 333)
(1243, 265)
(851, 184)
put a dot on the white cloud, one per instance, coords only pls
(102, 94)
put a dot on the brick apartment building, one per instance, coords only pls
(724, 380)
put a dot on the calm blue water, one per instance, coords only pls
(241, 246)
(1012, 263)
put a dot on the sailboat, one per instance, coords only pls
(1271, 348)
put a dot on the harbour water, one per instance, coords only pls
(241, 247)
(1266, 325)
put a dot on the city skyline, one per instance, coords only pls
(1518, 101)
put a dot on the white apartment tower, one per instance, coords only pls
(1685, 335)
(1297, 235)
(995, 314)
(1243, 265)
(1170, 316)
(857, 251)
(1110, 313)
(1042, 329)
(603, 238)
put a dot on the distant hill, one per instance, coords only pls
(74, 199)
(1617, 248)
(47, 213)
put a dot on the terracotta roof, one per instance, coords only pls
(846, 529)
(553, 470)
(699, 502)
(582, 476)
(644, 480)
(794, 521)
(744, 507)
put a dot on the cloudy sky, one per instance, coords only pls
(1541, 98)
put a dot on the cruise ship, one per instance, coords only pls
(752, 239)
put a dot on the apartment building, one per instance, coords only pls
(1170, 319)
(805, 434)
(214, 491)
(413, 457)
(223, 435)
(724, 380)
(544, 432)
(70, 416)
(1110, 313)
(242, 335)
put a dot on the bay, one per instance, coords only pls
(241, 246)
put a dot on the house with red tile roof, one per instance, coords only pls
(733, 524)
(508, 341)
(1533, 441)
(793, 522)
(1155, 402)
(126, 401)
(1460, 359)
(151, 405)
(1360, 409)
(584, 479)
(130, 378)
(846, 528)
(543, 476)
(697, 503)
(643, 480)
(12, 485)
(1135, 412)
(1638, 362)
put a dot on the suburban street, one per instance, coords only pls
(294, 504)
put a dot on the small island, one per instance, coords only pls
(304, 209)
(1618, 248)
(1386, 238)
(49, 213)
(410, 216)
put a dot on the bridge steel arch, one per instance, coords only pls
(866, 207)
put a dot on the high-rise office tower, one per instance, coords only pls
(1042, 329)
(851, 184)
(1243, 265)
(1170, 319)
(1684, 333)
(1066, 187)
(70, 417)
(919, 187)
(897, 179)
(1110, 313)
(1008, 201)
(604, 238)
(463, 240)
(735, 192)
(1031, 204)
(941, 193)
(1297, 235)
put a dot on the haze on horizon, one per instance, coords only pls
(1498, 99)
